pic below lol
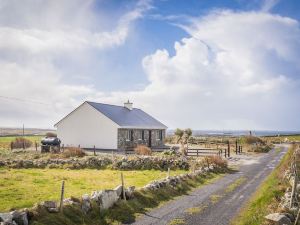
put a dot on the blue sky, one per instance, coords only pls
(205, 64)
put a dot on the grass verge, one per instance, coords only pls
(124, 211)
(267, 197)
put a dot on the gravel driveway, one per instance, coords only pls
(219, 202)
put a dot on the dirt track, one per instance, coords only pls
(215, 204)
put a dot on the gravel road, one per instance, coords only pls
(219, 202)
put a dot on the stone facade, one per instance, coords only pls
(125, 141)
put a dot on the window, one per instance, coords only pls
(143, 135)
(129, 135)
(160, 135)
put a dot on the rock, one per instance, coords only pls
(119, 190)
(107, 198)
(279, 219)
(70, 201)
(53, 210)
(49, 204)
(95, 196)
(129, 192)
(8, 223)
(20, 217)
(290, 216)
(6, 217)
(86, 204)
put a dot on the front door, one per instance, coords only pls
(150, 139)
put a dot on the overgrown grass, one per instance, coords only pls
(21, 188)
(267, 196)
(215, 198)
(177, 221)
(123, 212)
(5, 142)
(235, 184)
(195, 210)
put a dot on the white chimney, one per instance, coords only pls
(128, 105)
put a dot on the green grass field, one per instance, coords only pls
(20, 188)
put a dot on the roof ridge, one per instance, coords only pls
(108, 104)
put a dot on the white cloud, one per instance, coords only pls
(35, 37)
(65, 35)
(236, 71)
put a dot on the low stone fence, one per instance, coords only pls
(102, 162)
(104, 199)
(289, 207)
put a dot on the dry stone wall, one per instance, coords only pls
(120, 163)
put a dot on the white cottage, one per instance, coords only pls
(110, 127)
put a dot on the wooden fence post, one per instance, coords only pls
(94, 150)
(123, 188)
(228, 153)
(62, 196)
(11, 145)
(35, 146)
(236, 146)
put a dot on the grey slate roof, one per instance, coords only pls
(135, 118)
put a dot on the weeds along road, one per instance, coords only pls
(217, 203)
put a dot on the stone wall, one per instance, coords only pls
(124, 143)
(102, 162)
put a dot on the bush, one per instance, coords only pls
(262, 149)
(73, 152)
(171, 151)
(20, 141)
(142, 150)
(215, 161)
(252, 140)
(51, 134)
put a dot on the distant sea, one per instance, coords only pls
(238, 132)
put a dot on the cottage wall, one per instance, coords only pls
(124, 142)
